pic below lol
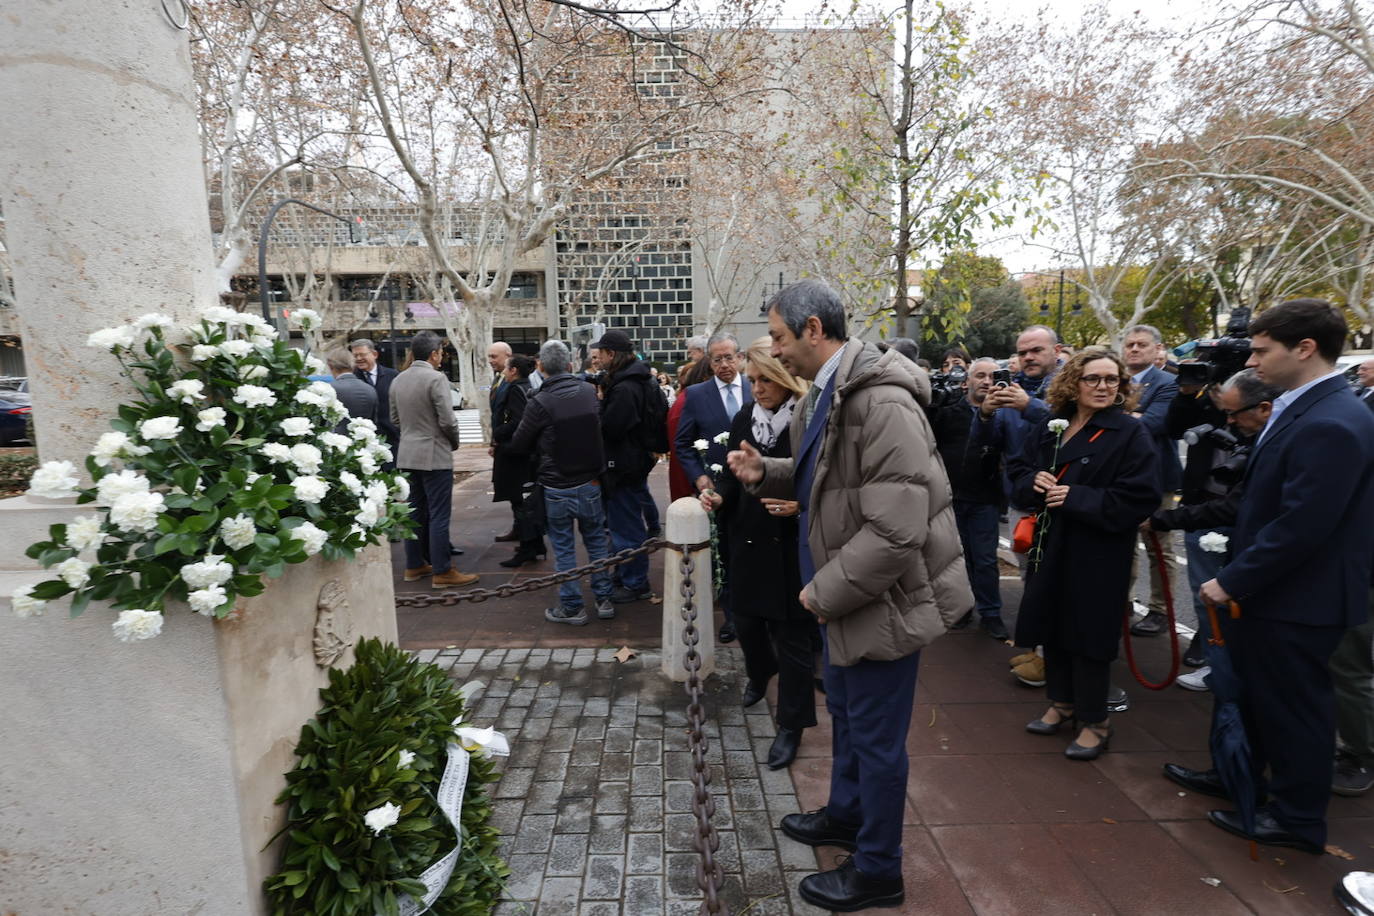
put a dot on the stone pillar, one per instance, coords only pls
(687, 524)
(134, 778)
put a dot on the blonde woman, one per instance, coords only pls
(775, 631)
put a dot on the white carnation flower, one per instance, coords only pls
(722, 439)
(367, 463)
(382, 817)
(1058, 426)
(306, 458)
(716, 468)
(310, 489)
(205, 600)
(254, 396)
(152, 320)
(188, 390)
(24, 604)
(249, 373)
(297, 426)
(311, 537)
(136, 511)
(253, 321)
(315, 366)
(335, 441)
(276, 451)
(701, 445)
(113, 339)
(201, 352)
(131, 626)
(160, 428)
(75, 572)
(402, 488)
(113, 445)
(324, 390)
(84, 533)
(1213, 542)
(237, 349)
(336, 411)
(210, 571)
(369, 513)
(351, 482)
(380, 451)
(54, 480)
(112, 486)
(309, 398)
(262, 335)
(220, 314)
(238, 531)
(362, 428)
(209, 418)
(405, 758)
(305, 319)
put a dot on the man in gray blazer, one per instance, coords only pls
(355, 394)
(422, 409)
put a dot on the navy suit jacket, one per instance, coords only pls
(385, 376)
(703, 417)
(1157, 391)
(1303, 544)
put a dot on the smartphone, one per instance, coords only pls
(1001, 378)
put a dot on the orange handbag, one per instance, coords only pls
(1023, 535)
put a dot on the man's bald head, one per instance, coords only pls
(497, 354)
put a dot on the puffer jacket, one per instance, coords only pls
(890, 574)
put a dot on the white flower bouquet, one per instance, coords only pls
(207, 485)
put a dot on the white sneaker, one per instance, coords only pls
(1193, 680)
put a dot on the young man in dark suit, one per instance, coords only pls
(1300, 569)
(380, 377)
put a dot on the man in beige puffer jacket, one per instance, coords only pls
(882, 570)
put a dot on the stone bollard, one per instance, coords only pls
(687, 524)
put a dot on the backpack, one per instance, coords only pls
(653, 426)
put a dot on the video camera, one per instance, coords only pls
(1220, 358)
(953, 380)
(1229, 471)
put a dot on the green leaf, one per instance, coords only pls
(49, 589)
(79, 601)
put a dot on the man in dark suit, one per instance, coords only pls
(1300, 569)
(710, 408)
(358, 396)
(379, 377)
(1140, 351)
(497, 356)
(1366, 389)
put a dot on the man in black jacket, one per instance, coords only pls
(563, 422)
(975, 474)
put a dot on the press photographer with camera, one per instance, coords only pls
(975, 475)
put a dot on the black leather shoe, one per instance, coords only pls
(1195, 656)
(753, 693)
(847, 890)
(508, 536)
(994, 627)
(520, 559)
(726, 634)
(963, 622)
(457, 551)
(1151, 625)
(1267, 831)
(784, 749)
(1203, 782)
(817, 829)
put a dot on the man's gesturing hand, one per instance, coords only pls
(746, 464)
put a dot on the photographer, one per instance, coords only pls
(975, 475)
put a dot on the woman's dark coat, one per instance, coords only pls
(763, 565)
(509, 470)
(1077, 595)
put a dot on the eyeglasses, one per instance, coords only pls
(1232, 413)
(724, 358)
(1100, 381)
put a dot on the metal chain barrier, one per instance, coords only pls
(710, 877)
(478, 595)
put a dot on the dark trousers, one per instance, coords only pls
(781, 647)
(979, 524)
(431, 504)
(527, 525)
(649, 508)
(1289, 710)
(1078, 681)
(870, 707)
(625, 519)
(1352, 673)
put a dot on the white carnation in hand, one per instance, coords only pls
(716, 468)
(1058, 426)
(131, 626)
(311, 537)
(380, 818)
(1213, 542)
(722, 439)
(112, 486)
(701, 445)
(84, 533)
(54, 480)
(209, 418)
(76, 573)
(238, 531)
(160, 428)
(210, 571)
(113, 339)
(136, 511)
(310, 489)
(24, 604)
(254, 396)
(187, 390)
(307, 458)
(206, 600)
(297, 426)
(201, 352)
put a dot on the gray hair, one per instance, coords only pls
(338, 360)
(1145, 329)
(1252, 389)
(984, 359)
(554, 357)
(697, 342)
(722, 337)
(362, 342)
(797, 302)
(1054, 337)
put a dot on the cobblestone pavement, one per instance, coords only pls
(594, 805)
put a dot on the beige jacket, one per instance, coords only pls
(890, 572)
(422, 409)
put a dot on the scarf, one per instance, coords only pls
(770, 424)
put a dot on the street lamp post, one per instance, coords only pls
(391, 318)
(353, 236)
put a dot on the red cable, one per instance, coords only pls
(1168, 587)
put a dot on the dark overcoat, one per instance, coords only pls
(509, 469)
(1075, 598)
(761, 549)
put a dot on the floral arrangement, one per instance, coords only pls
(717, 561)
(366, 817)
(224, 469)
(1056, 426)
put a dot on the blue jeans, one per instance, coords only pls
(625, 513)
(561, 509)
(431, 505)
(1202, 566)
(979, 524)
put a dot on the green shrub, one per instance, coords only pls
(16, 467)
(350, 764)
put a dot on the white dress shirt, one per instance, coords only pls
(1285, 400)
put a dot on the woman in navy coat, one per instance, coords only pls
(1093, 481)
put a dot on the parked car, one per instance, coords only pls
(15, 408)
